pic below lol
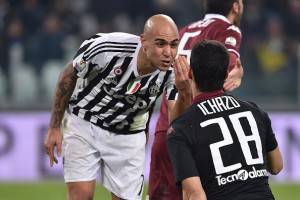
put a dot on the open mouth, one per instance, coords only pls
(166, 62)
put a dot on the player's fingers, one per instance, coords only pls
(179, 66)
(51, 156)
(58, 146)
(55, 159)
(185, 67)
(182, 64)
(228, 85)
(238, 62)
(176, 68)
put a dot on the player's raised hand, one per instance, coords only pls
(234, 78)
(53, 139)
(181, 70)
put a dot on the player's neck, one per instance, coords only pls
(144, 66)
(196, 93)
(233, 18)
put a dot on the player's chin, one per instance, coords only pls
(164, 66)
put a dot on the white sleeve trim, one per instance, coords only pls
(235, 52)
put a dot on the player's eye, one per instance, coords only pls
(160, 44)
(174, 45)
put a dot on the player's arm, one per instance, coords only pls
(64, 89)
(231, 38)
(275, 163)
(183, 163)
(184, 98)
(235, 73)
(192, 189)
(274, 158)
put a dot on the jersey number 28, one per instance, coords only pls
(242, 138)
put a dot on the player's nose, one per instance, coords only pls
(167, 51)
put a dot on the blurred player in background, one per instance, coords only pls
(108, 92)
(221, 147)
(220, 23)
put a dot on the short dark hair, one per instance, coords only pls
(221, 7)
(209, 63)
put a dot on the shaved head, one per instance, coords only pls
(159, 22)
(159, 43)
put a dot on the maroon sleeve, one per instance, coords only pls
(231, 38)
(163, 122)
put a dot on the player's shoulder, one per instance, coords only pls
(112, 37)
(186, 119)
(212, 23)
(252, 106)
(222, 24)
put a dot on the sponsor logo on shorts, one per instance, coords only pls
(242, 175)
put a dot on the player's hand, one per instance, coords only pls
(181, 70)
(234, 78)
(53, 139)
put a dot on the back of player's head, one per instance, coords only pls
(209, 63)
(221, 7)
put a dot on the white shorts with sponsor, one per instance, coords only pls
(88, 150)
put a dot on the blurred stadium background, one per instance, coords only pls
(38, 37)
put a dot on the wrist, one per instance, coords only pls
(54, 128)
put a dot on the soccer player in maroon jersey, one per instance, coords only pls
(220, 23)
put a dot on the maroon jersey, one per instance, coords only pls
(212, 27)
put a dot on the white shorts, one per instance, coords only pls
(89, 150)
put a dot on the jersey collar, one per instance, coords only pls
(216, 16)
(207, 95)
(134, 60)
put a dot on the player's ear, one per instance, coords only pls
(191, 75)
(142, 38)
(143, 42)
(226, 75)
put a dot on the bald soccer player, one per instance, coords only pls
(108, 93)
(221, 23)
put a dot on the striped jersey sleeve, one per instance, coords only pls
(116, 97)
(170, 88)
(92, 54)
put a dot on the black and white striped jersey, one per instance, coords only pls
(109, 92)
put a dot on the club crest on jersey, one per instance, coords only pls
(230, 41)
(170, 130)
(81, 65)
(113, 80)
(154, 90)
(133, 87)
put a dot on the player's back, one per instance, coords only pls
(229, 140)
(212, 27)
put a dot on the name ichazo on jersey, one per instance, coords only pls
(218, 104)
(242, 175)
